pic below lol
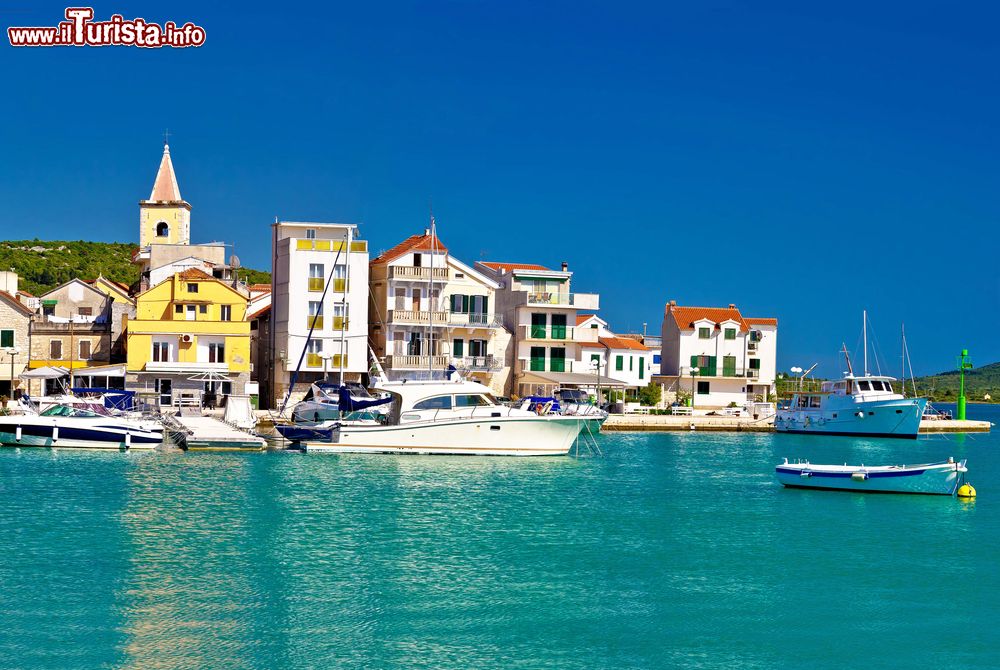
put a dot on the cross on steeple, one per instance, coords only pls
(166, 136)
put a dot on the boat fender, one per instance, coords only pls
(808, 421)
(17, 433)
(859, 476)
(966, 491)
(860, 415)
(55, 433)
(128, 439)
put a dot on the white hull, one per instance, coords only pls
(931, 478)
(874, 418)
(79, 433)
(495, 436)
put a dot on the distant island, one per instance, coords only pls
(43, 265)
(982, 384)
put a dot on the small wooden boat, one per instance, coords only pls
(941, 478)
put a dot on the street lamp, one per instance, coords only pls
(596, 364)
(12, 352)
(797, 371)
(694, 371)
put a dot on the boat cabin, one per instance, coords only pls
(868, 387)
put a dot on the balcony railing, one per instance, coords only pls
(473, 320)
(357, 246)
(406, 362)
(417, 317)
(338, 284)
(556, 299)
(548, 365)
(336, 322)
(556, 333)
(411, 272)
(723, 372)
(316, 361)
(477, 363)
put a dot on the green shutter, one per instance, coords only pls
(486, 304)
(538, 326)
(7, 339)
(557, 359)
(619, 362)
(538, 359)
(694, 362)
(642, 368)
(729, 366)
(457, 348)
(558, 326)
(465, 304)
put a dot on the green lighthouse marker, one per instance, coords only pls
(964, 363)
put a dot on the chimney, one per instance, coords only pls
(427, 232)
(565, 266)
(732, 306)
(673, 303)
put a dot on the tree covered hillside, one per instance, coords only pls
(979, 383)
(42, 266)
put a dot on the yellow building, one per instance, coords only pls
(189, 340)
(165, 218)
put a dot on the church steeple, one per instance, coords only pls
(165, 218)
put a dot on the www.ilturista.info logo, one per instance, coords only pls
(80, 30)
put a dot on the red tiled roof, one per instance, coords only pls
(30, 295)
(194, 273)
(260, 312)
(591, 345)
(510, 267)
(580, 318)
(411, 243)
(259, 287)
(16, 304)
(623, 343)
(685, 317)
(761, 321)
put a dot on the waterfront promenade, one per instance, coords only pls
(646, 422)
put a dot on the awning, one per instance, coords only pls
(569, 379)
(44, 373)
(117, 370)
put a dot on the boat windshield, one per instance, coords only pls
(574, 395)
(65, 410)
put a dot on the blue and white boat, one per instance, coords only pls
(92, 427)
(942, 478)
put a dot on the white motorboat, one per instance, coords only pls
(451, 417)
(941, 478)
(90, 427)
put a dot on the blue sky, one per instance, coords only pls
(802, 162)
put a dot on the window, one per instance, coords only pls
(642, 368)
(459, 303)
(161, 352)
(178, 309)
(864, 386)
(888, 387)
(55, 349)
(313, 349)
(216, 352)
(162, 229)
(729, 366)
(203, 309)
(458, 348)
(631, 363)
(471, 401)
(477, 348)
(191, 312)
(85, 311)
(619, 363)
(538, 359)
(310, 233)
(437, 402)
(730, 333)
(226, 313)
(84, 350)
(704, 333)
(316, 276)
(594, 326)
(595, 358)
(704, 388)
(6, 338)
(192, 288)
(557, 359)
(656, 359)
(415, 345)
(416, 260)
(755, 364)
(315, 308)
(49, 309)
(538, 326)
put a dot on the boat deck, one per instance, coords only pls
(204, 433)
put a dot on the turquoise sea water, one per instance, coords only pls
(670, 550)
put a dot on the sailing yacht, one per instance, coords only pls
(860, 405)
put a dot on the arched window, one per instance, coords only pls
(162, 228)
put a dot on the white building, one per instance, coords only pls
(621, 358)
(718, 353)
(430, 311)
(540, 309)
(308, 258)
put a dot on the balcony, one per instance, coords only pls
(357, 246)
(316, 361)
(339, 284)
(551, 333)
(554, 299)
(478, 363)
(409, 316)
(415, 273)
(723, 372)
(549, 365)
(470, 320)
(185, 366)
(406, 362)
(336, 323)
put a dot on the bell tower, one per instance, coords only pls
(165, 218)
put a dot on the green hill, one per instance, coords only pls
(979, 383)
(42, 266)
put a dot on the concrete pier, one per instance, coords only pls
(204, 433)
(645, 422)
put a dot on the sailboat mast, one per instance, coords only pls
(864, 336)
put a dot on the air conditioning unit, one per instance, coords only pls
(187, 338)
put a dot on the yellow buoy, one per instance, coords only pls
(966, 491)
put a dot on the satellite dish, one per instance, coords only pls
(234, 261)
